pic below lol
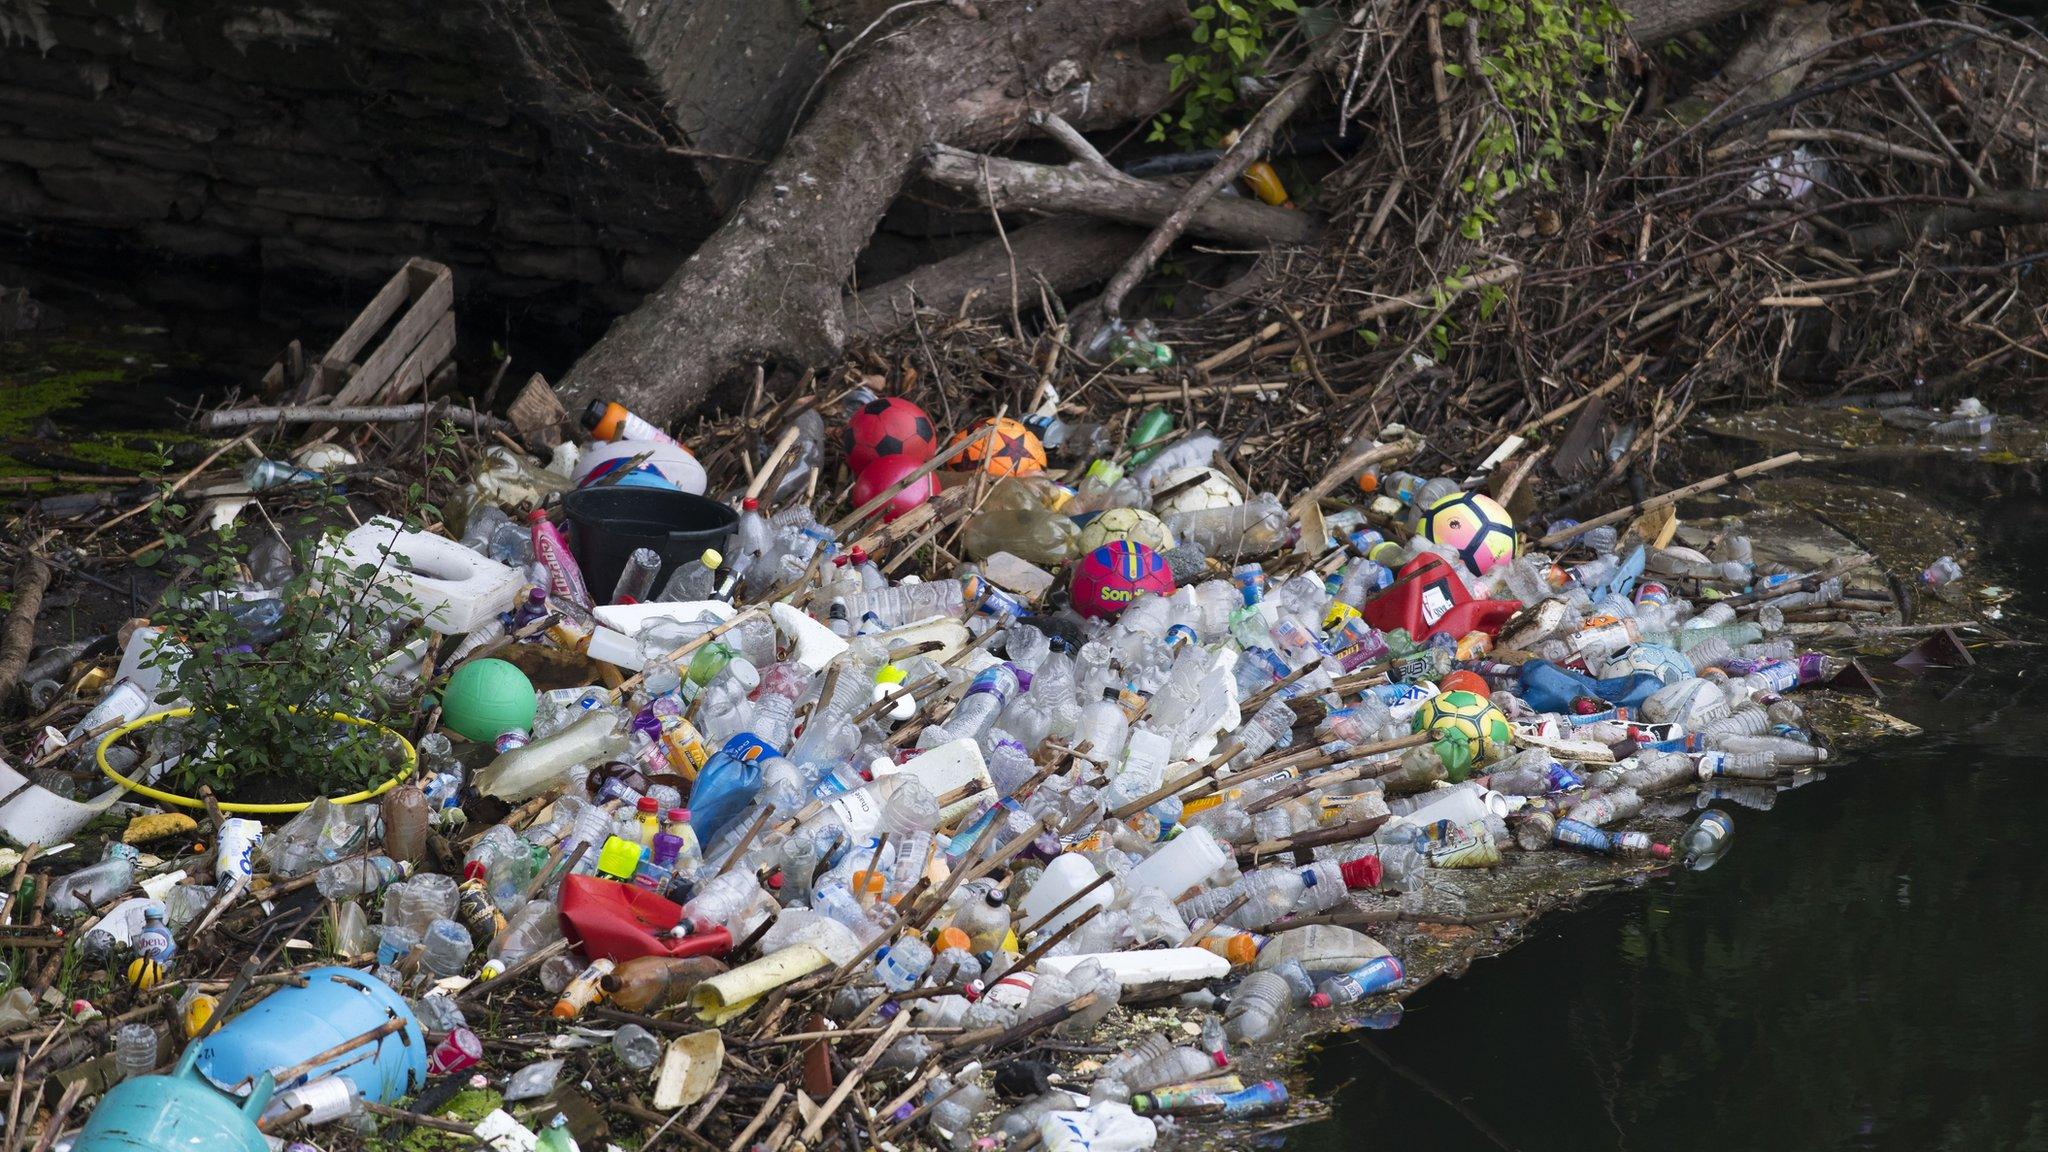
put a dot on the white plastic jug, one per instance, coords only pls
(1068, 873)
(1180, 864)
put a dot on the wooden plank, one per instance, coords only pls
(430, 354)
(332, 370)
(433, 291)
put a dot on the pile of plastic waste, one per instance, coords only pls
(777, 824)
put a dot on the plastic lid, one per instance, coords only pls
(890, 674)
(749, 504)
(1222, 1059)
(536, 516)
(648, 804)
(619, 858)
(951, 937)
(595, 414)
(1661, 851)
(1364, 872)
(679, 815)
(866, 883)
(712, 558)
(1319, 1000)
(1241, 949)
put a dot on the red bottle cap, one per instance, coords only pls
(1364, 872)
(678, 815)
(648, 804)
(749, 504)
(1319, 1000)
(1661, 851)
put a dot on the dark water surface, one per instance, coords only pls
(1864, 970)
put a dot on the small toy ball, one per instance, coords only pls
(888, 426)
(1464, 681)
(1014, 450)
(1469, 713)
(1107, 580)
(1205, 488)
(1663, 662)
(1133, 524)
(486, 699)
(887, 470)
(640, 463)
(1475, 526)
(145, 973)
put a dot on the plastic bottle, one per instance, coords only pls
(406, 816)
(695, 579)
(583, 991)
(1258, 1007)
(96, 884)
(530, 770)
(1610, 807)
(646, 984)
(135, 1048)
(445, 948)
(901, 966)
(636, 579)
(551, 551)
(1706, 840)
(636, 1047)
(533, 926)
(1375, 975)
(1941, 572)
(259, 475)
(1573, 834)
(352, 878)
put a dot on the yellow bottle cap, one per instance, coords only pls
(712, 558)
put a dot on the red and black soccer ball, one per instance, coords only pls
(888, 426)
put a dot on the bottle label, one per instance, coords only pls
(860, 812)
(1573, 834)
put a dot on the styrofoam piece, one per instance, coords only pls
(454, 589)
(1152, 966)
(631, 618)
(816, 645)
(946, 769)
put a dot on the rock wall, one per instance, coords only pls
(561, 154)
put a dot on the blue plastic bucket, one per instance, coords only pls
(172, 1113)
(294, 1024)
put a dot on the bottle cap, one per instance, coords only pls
(749, 504)
(618, 859)
(594, 416)
(1241, 949)
(679, 815)
(1661, 851)
(950, 937)
(1364, 872)
(1223, 1059)
(648, 804)
(712, 558)
(1319, 1000)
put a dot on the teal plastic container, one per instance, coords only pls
(294, 1024)
(174, 1112)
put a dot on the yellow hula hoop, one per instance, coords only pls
(412, 760)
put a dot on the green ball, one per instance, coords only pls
(487, 698)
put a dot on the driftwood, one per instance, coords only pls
(1062, 255)
(1012, 185)
(18, 634)
(766, 288)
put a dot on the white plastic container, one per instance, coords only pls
(452, 588)
(1180, 864)
(1462, 804)
(1067, 874)
(1148, 967)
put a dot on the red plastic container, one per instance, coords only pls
(1428, 596)
(606, 920)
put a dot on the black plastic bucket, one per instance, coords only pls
(606, 524)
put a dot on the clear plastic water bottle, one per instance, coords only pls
(352, 878)
(135, 1048)
(445, 948)
(636, 579)
(1258, 1008)
(901, 965)
(636, 1047)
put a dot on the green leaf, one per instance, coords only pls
(1457, 70)
(1455, 19)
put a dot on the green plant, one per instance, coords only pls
(1540, 61)
(1230, 36)
(264, 671)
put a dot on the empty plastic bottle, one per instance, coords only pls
(636, 1047)
(352, 878)
(96, 884)
(636, 579)
(1258, 1007)
(135, 1048)
(1706, 839)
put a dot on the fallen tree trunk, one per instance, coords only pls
(1993, 209)
(1013, 185)
(1064, 255)
(766, 288)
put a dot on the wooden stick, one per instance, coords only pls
(18, 635)
(1669, 498)
(179, 483)
(467, 418)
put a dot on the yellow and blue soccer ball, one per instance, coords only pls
(1133, 524)
(1473, 716)
(1473, 525)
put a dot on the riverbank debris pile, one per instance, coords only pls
(660, 799)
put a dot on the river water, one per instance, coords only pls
(1861, 971)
